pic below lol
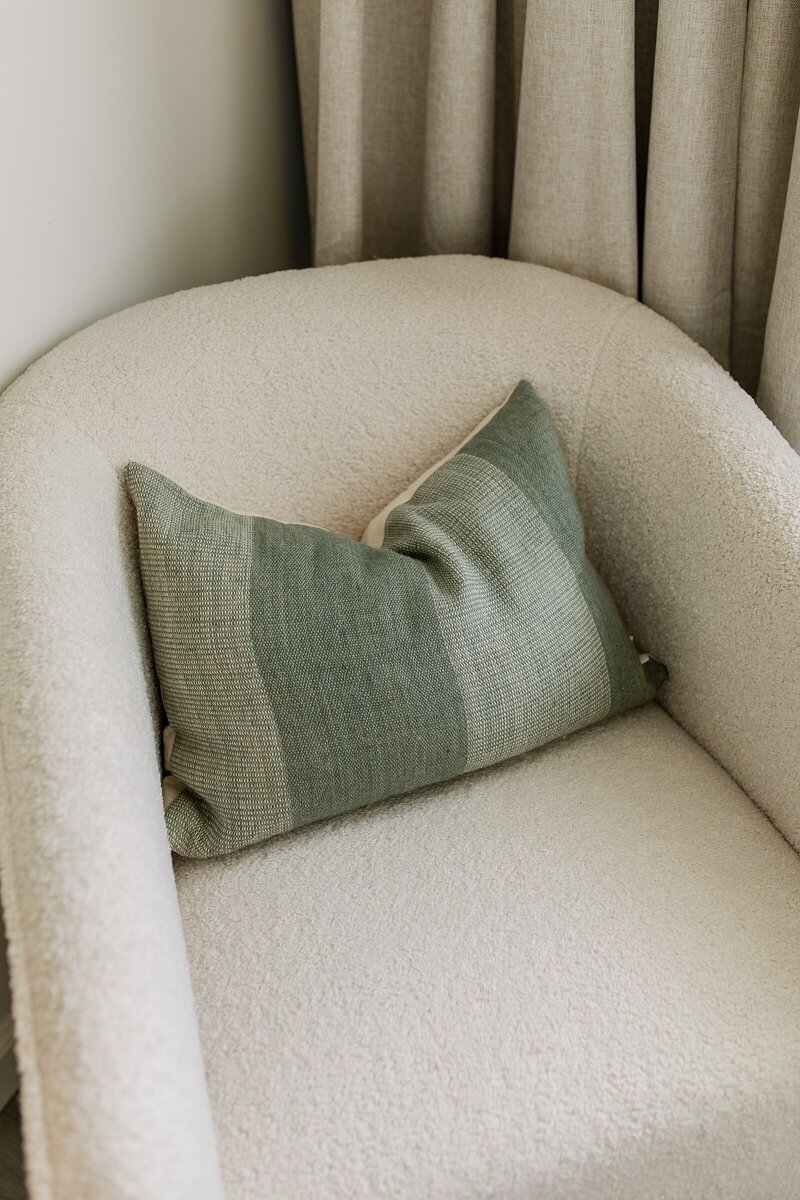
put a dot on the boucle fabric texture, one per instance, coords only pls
(319, 396)
(305, 674)
(570, 977)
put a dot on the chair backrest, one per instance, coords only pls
(318, 395)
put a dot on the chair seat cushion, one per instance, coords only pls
(576, 974)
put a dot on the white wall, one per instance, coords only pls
(145, 146)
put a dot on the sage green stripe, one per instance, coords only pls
(629, 683)
(356, 724)
(522, 441)
(196, 826)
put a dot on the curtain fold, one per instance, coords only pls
(459, 135)
(690, 198)
(574, 199)
(779, 390)
(768, 120)
(649, 145)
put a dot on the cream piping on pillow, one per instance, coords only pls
(374, 534)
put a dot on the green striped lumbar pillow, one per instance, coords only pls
(305, 674)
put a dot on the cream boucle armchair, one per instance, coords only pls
(575, 975)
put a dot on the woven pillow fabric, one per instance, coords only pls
(305, 674)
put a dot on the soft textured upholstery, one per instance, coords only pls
(574, 975)
(317, 397)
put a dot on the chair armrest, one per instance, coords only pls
(692, 500)
(114, 1099)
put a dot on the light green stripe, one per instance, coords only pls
(197, 559)
(516, 626)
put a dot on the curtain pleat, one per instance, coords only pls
(690, 203)
(646, 31)
(397, 46)
(509, 45)
(574, 199)
(770, 100)
(779, 391)
(459, 143)
(644, 144)
(333, 126)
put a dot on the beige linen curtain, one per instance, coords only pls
(649, 146)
